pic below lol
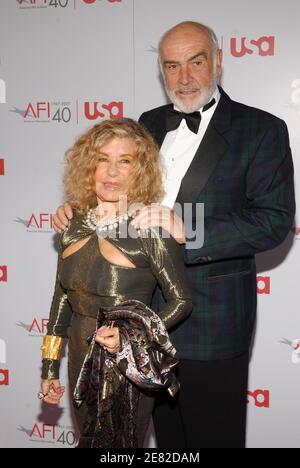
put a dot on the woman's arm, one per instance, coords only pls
(59, 321)
(166, 260)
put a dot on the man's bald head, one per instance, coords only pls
(191, 64)
(190, 28)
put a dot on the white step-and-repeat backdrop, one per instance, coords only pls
(66, 64)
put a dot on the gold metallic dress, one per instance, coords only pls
(87, 280)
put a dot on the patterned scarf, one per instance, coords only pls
(110, 384)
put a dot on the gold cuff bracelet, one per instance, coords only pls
(51, 348)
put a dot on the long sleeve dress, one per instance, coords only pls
(86, 280)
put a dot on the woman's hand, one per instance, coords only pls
(109, 338)
(160, 216)
(53, 391)
(62, 217)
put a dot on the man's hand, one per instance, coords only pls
(61, 220)
(160, 216)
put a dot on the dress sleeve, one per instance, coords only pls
(167, 265)
(59, 321)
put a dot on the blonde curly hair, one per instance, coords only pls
(145, 184)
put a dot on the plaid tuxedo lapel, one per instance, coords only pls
(206, 159)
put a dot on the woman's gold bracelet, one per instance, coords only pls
(51, 347)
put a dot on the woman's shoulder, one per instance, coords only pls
(76, 231)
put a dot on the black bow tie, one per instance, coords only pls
(193, 120)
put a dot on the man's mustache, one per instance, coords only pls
(187, 89)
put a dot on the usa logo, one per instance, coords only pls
(2, 169)
(260, 398)
(264, 46)
(264, 285)
(4, 373)
(3, 273)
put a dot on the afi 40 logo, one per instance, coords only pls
(51, 434)
(64, 112)
(43, 111)
(43, 3)
(58, 3)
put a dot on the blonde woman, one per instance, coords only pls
(106, 276)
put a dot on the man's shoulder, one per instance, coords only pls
(239, 110)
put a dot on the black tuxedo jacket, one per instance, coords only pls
(243, 174)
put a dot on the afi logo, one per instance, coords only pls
(264, 46)
(114, 110)
(261, 398)
(295, 345)
(264, 285)
(2, 92)
(2, 171)
(40, 221)
(3, 274)
(4, 373)
(64, 435)
(38, 326)
(43, 431)
(38, 110)
(32, 2)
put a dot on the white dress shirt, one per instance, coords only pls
(178, 151)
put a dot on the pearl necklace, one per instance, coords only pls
(105, 225)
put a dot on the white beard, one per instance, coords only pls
(198, 102)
